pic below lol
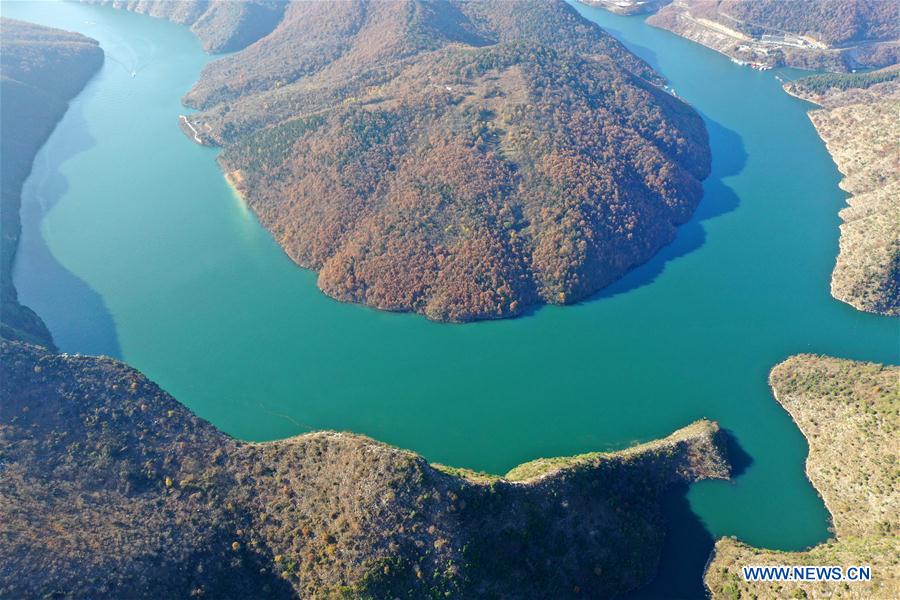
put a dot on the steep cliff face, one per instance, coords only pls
(41, 69)
(463, 160)
(111, 487)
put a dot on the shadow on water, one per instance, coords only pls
(738, 458)
(684, 554)
(76, 315)
(688, 543)
(729, 158)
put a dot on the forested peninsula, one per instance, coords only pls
(41, 69)
(112, 488)
(463, 160)
(858, 122)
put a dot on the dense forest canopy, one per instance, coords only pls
(845, 81)
(834, 22)
(460, 159)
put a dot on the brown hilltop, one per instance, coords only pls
(112, 489)
(463, 160)
(834, 22)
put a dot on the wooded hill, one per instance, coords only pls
(221, 25)
(460, 159)
(113, 489)
(835, 22)
(822, 35)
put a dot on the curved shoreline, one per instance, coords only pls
(254, 513)
(165, 461)
(466, 263)
(847, 412)
(19, 321)
(798, 461)
(853, 124)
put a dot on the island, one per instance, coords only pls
(858, 122)
(850, 414)
(41, 69)
(111, 488)
(462, 160)
(831, 35)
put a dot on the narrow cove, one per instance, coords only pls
(134, 245)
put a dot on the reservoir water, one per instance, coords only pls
(134, 245)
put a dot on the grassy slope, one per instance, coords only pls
(111, 485)
(850, 414)
(859, 125)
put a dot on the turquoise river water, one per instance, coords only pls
(133, 245)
